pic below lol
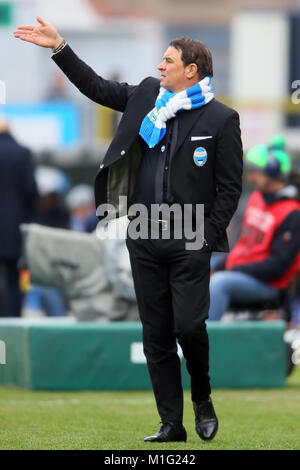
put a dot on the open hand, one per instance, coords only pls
(44, 35)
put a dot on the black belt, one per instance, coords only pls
(163, 224)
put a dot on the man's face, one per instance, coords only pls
(260, 181)
(174, 76)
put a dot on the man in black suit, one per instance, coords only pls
(17, 196)
(195, 161)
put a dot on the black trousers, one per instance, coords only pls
(172, 290)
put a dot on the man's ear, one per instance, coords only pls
(191, 70)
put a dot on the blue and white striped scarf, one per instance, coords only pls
(167, 105)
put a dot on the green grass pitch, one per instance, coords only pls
(260, 419)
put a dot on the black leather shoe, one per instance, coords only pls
(206, 419)
(169, 432)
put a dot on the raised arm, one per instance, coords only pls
(106, 92)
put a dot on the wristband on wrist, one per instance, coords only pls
(58, 48)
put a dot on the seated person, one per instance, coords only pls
(266, 256)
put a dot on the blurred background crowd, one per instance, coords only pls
(52, 139)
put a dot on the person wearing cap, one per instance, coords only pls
(17, 195)
(52, 185)
(277, 142)
(266, 257)
(81, 204)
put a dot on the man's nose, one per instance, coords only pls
(160, 66)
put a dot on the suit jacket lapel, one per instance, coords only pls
(146, 104)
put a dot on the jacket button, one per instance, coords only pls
(123, 152)
(101, 166)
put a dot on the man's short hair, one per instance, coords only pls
(194, 52)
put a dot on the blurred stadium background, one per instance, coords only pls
(255, 47)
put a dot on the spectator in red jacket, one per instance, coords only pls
(266, 256)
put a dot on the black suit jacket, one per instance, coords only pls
(217, 184)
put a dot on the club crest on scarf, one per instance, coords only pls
(153, 115)
(168, 104)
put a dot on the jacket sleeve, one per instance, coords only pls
(106, 92)
(285, 247)
(228, 177)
